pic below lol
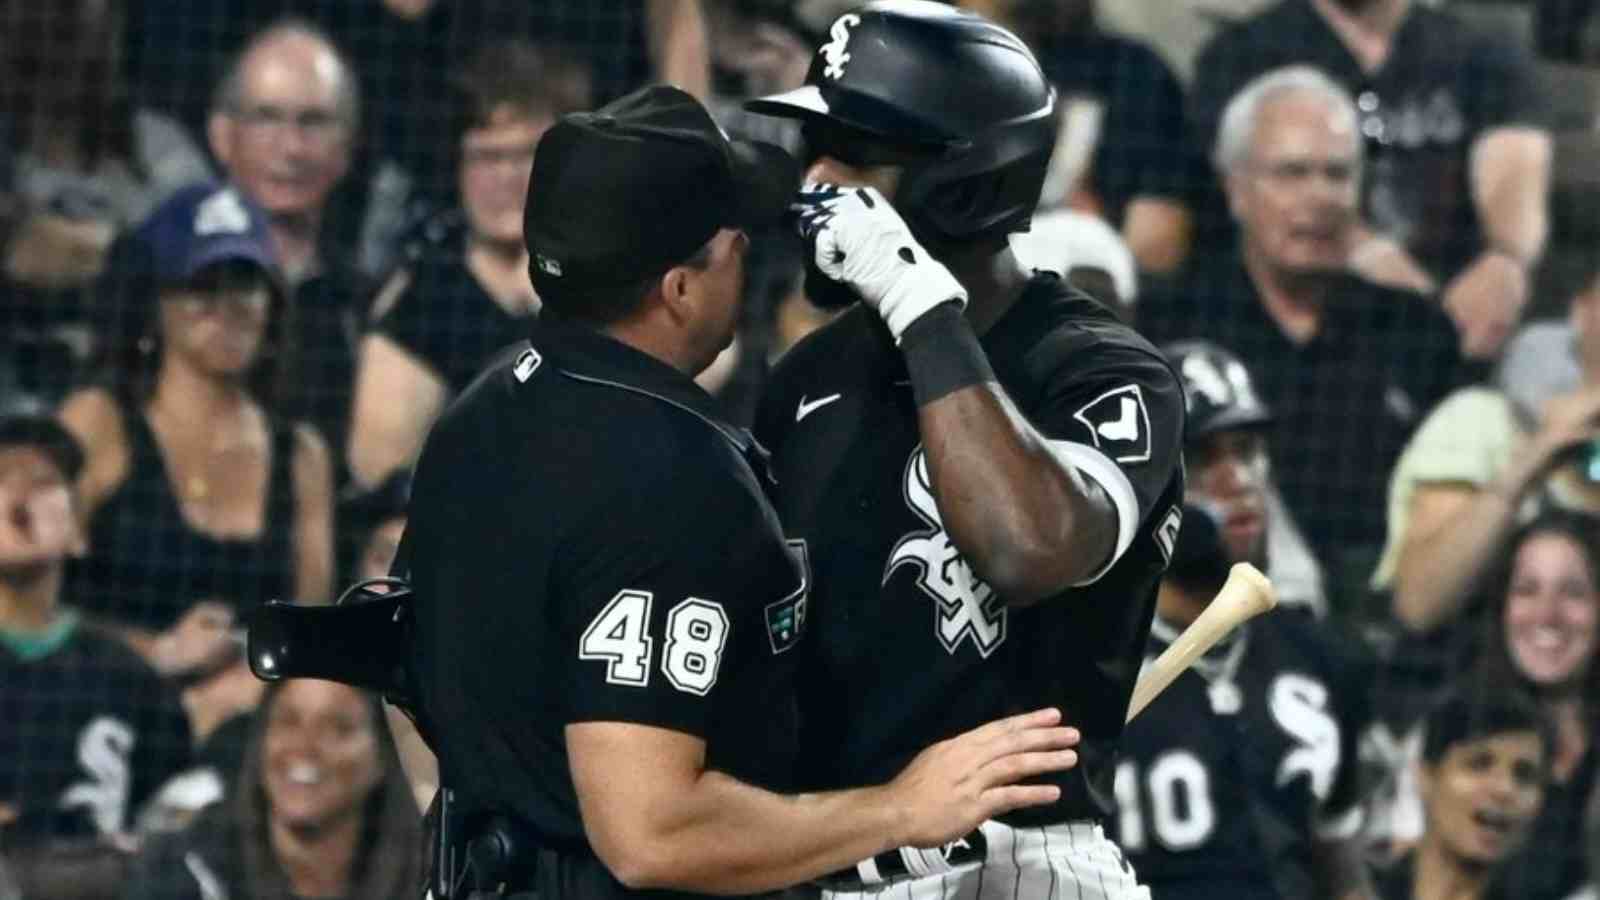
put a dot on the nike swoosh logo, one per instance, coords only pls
(806, 409)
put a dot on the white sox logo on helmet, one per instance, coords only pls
(834, 50)
(967, 606)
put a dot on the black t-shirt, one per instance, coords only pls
(587, 542)
(1346, 401)
(1229, 777)
(446, 319)
(1442, 85)
(908, 647)
(88, 732)
(1138, 105)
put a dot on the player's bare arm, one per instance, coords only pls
(658, 818)
(1027, 521)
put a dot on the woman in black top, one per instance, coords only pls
(200, 502)
(1543, 630)
(319, 809)
(465, 292)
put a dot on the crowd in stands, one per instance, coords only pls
(251, 249)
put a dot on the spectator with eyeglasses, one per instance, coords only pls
(1355, 365)
(284, 122)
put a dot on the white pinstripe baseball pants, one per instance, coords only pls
(1071, 861)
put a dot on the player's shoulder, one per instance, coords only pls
(1058, 329)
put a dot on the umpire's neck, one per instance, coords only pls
(993, 276)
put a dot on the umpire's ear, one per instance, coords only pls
(676, 289)
(680, 287)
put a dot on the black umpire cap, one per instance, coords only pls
(24, 420)
(628, 191)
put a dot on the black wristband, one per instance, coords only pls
(943, 354)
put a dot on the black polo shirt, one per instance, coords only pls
(1442, 85)
(1346, 401)
(588, 542)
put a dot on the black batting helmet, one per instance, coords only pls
(962, 97)
(1217, 390)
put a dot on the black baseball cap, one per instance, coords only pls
(25, 421)
(631, 189)
(1217, 389)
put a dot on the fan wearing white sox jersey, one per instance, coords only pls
(88, 731)
(1240, 781)
(981, 461)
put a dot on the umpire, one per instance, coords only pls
(605, 603)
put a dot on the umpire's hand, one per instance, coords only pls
(953, 786)
(857, 238)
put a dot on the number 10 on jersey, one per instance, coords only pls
(697, 631)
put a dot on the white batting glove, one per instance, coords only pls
(858, 239)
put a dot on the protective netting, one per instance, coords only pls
(1384, 210)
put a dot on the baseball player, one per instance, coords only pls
(1240, 781)
(980, 462)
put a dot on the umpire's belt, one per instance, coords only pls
(964, 853)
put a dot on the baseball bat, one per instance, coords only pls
(1246, 594)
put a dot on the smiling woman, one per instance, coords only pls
(1542, 634)
(321, 809)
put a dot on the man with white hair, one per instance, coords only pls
(1455, 202)
(283, 123)
(1351, 365)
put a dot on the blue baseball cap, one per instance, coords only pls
(202, 225)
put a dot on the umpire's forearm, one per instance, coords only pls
(733, 838)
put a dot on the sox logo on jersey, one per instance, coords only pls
(967, 606)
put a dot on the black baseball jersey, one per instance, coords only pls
(88, 732)
(907, 645)
(1229, 776)
(588, 542)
